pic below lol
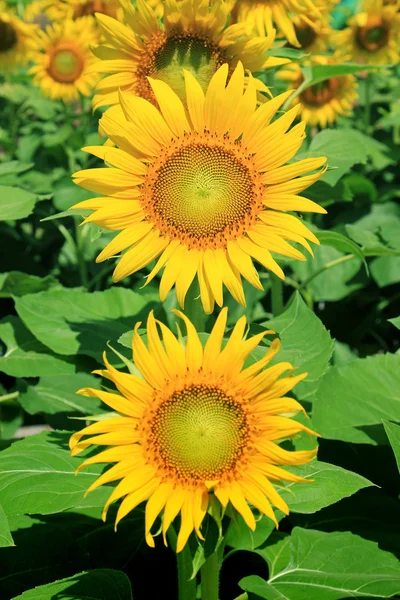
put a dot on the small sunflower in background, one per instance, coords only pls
(203, 190)
(76, 9)
(61, 58)
(321, 104)
(196, 428)
(373, 35)
(40, 12)
(263, 16)
(17, 40)
(192, 36)
(313, 34)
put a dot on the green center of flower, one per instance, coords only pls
(199, 433)
(197, 55)
(65, 65)
(202, 191)
(373, 36)
(8, 37)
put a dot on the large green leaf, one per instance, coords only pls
(100, 584)
(352, 400)
(340, 242)
(37, 476)
(386, 270)
(16, 283)
(5, 533)
(393, 433)
(329, 566)
(305, 343)
(328, 283)
(358, 148)
(15, 203)
(72, 322)
(328, 484)
(25, 356)
(55, 395)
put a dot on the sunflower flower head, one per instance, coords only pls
(196, 425)
(262, 16)
(17, 40)
(204, 191)
(192, 36)
(373, 35)
(313, 34)
(61, 58)
(321, 104)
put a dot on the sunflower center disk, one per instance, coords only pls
(65, 65)
(373, 36)
(306, 36)
(202, 191)
(8, 36)
(192, 53)
(93, 6)
(320, 93)
(199, 433)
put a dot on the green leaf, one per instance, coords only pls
(14, 166)
(370, 242)
(395, 322)
(329, 484)
(393, 433)
(11, 418)
(61, 135)
(305, 343)
(240, 536)
(277, 552)
(67, 193)
(352, 400)
(386, 270)
(5, 533)
(328, 283)
(15, 203)
(340, 242)
(25, 356)
(99, 584)
(55, 395)
(341, 157)
(16, 283)
(316, 73)
(37, 476)
(71, 322)
(331, 566)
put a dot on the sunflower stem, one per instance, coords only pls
(367, 101)
(80, 257)
(277, 304)
(187, 587)
(193, 307)
(209, 574)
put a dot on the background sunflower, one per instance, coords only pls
(62, 57)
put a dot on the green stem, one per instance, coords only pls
(277, 305)
(80, 255)
(8, 397)
(186, 587)
(243, 596)
(209, 573)
(367, 101)
(193, 307)
(328, 265)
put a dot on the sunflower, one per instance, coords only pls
(76, 9)
(373, 35)
(193, 36)
(17, 40)
(39, 12)
(196, 426)
(61, 58)
(263, 15)
(321, 104)
(202, 191)
(314, 35)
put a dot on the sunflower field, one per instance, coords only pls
(200, 299)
